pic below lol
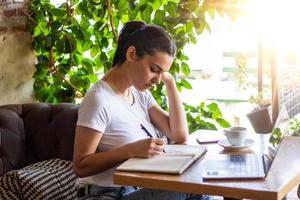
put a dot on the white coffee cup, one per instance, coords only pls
(236, 136)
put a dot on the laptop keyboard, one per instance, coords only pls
(243, 165)
(234, 166)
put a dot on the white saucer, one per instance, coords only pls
(224, 143)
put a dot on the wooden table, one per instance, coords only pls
(283, 176)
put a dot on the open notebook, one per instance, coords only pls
(175, 161)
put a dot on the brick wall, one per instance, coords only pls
(13, 14)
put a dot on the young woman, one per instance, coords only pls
(117, 109)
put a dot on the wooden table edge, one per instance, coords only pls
(208, 189)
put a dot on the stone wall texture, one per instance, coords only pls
(17, 59)
(16, 67)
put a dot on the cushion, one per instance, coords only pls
(50, 179)
(12, 139)
(9, 186)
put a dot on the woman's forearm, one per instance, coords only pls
(99, 162)
(177, 117)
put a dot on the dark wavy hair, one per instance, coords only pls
(147, 39)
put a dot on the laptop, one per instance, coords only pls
(245, 166)
(235, 167)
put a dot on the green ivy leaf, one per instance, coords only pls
(73, 2)
(146, 13)
(175, 68)
(211, 12)
(191, 5)
(57, 12)
(92, 78)
(87, 45)
(104, 42)
(123, 6)
(103, 57)
(171, 8)
(223, 123)
(94, 51)
(56, 25)
(88, 64)
(79, 47)
(77, 31)
(156, 4)
(143, 7)
(185, 69)
(60, 45)
(133, 10)
(84, 23)
(189, 26)
(199, 27)
(178, 86)
(159, 17)
(185, 84)
(124, 18)
(94, 2)
(82, 8)
(76, 59)
(192, 38)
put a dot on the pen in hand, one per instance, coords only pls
(148, 133)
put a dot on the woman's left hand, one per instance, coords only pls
(167, 78)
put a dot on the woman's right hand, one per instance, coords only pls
(146, 148)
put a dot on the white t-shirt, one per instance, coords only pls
(105, 111)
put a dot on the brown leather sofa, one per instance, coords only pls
(35, 132)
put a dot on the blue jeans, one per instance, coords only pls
(92, 192)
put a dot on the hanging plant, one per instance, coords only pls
(76, 40)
